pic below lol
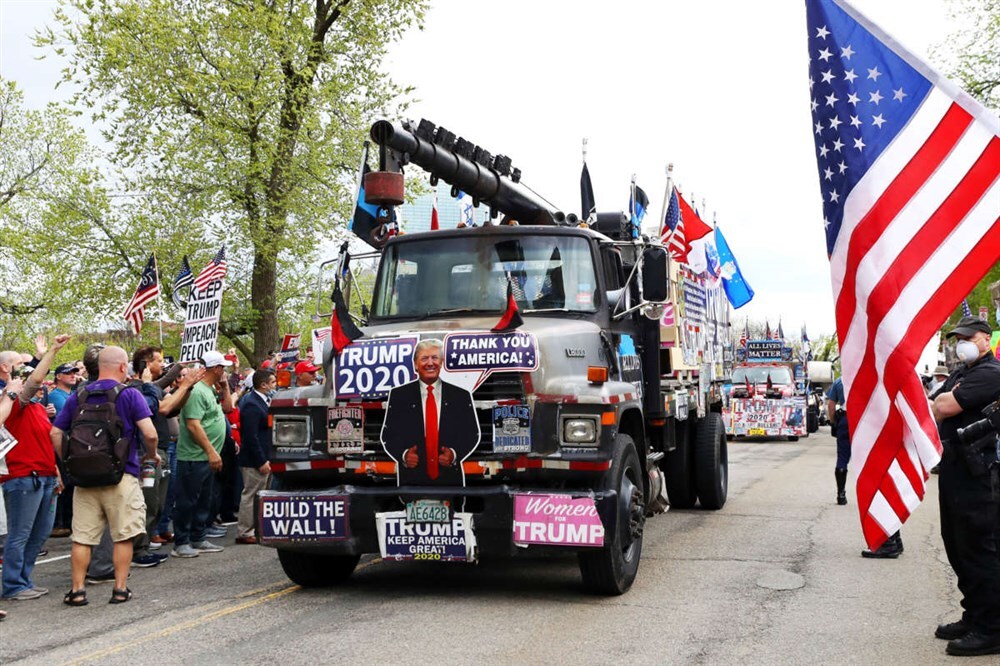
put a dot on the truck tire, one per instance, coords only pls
(317, 570)
(678, 471)
(711, 462)
(612, 569)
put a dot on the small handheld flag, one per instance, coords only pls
(148, 289)
(183, 281)
(213, 270)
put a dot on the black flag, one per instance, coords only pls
(587, 205)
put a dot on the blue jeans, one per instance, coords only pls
(193, 509)
(168, 505)
(31, 511)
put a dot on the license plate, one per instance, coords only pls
(428, 511)
(757, 432)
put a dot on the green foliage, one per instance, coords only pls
(52, 213)
(972, 54)
(239, 123)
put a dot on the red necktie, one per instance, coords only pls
(431, 434)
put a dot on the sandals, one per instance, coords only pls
(120, 596)
(76, 598)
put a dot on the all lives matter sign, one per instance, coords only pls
(201, 327)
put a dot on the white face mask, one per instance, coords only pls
(967, 351)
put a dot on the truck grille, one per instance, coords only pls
(497, 387)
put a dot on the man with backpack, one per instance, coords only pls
(103, 423)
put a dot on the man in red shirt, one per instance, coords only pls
(32, 479)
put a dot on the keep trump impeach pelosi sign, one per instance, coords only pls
(557, 520)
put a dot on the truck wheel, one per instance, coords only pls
(678, 472)
(612, 569)
(711, 462)
(315, 570)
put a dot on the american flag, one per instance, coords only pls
(213, 270)
(909, 168)
(672, 233)
(966, 310)
(148, 289)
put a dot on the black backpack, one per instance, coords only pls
(96, 451)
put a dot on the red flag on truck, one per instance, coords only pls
(511, 318)
(342, 330)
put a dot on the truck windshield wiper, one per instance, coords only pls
(546, 310)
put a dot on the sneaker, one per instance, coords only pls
(207, 547)
(184, 550)
(160, 539)
(25, 595)
(153, 545)
(104, 578)
(144, 561)
(60, 532)
(41, 590)
(227, 521)
(214, 533)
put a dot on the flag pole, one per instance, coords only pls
(631, 208)
(159, 303)
(585, 150)
(666, 199)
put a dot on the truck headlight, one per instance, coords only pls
(291, 431)
(580, 430)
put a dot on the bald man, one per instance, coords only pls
(120, 507)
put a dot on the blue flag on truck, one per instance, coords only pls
(738, 290)
(365, 218)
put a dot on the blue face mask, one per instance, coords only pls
(270, 394)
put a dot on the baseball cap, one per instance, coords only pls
(212, 359)
(305, 366)
(969, 326)
(65, 369)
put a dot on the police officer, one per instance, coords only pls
(838, 428)
(835, 403)
(968, 492)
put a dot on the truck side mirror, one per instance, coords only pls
(654, 275)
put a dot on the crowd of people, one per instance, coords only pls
(188, 446)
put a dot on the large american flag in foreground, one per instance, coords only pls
(148, 289)
(909, 168)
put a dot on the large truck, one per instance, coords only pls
(766, 400)
(587, 416)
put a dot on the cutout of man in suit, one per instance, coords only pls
(430, 425)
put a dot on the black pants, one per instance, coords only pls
(970, 528)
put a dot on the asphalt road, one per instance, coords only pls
(774, 577)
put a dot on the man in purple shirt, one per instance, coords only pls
(120, 507)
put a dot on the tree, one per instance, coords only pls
(239, 122)
(49, 188)
(972, 54)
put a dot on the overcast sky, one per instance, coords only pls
(717, 87)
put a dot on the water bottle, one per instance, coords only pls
(148, 473)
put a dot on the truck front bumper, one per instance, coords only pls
(341, 520)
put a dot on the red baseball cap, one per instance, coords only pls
(305, 366)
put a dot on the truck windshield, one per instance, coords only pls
(428, 277)
(759, 375)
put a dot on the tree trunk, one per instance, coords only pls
(262, 293)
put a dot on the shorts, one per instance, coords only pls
(121, 508)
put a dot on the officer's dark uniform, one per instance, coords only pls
(970, 506)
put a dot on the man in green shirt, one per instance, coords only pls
(199, 443)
